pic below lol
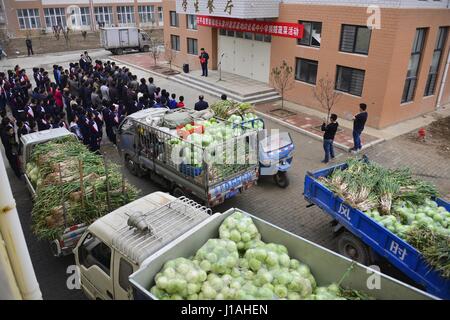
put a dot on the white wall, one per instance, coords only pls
(382, 3)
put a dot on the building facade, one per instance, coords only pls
(25, 16)
(391, 55)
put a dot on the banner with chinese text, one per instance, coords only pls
(279, 29)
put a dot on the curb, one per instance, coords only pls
(312, 135)
(141, 68)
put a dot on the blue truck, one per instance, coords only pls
(363, 239)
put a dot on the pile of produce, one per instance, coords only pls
(226, 108)
(56, 169)
(366, 186)
(401, 204)
(239, 266)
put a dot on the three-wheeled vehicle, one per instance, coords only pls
(276, 151)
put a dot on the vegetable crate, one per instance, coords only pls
(398, 252)
(190, 170)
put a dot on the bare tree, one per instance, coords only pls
(84, 34)
(154, 49)
(282, 79)
(66, 34)
(169, 54)
(325, 94)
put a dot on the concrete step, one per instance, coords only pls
(206, 87)
(220, 85)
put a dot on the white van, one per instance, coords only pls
(116, 245)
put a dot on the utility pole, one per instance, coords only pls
(14, 241)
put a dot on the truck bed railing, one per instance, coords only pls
(148, 231)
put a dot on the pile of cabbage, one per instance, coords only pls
(239, 266)
(405, 215)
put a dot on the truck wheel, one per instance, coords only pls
(178, 192)
(55, 248)
(119, 51)
(146, 49)
(353, 248)
(281, 179)
(131, 166)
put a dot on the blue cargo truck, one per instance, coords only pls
(362, 238)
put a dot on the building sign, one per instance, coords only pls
(242, 9)
(280, 29)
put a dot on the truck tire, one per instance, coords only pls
(119, 51)
(353, 248)
(146, 49)
(178, 192)
(131, 166)
(281, 179)
(55, 247)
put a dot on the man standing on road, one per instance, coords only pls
(328, 137)
(201, 104)
(29, 44)
(359, 121)
(204, 57)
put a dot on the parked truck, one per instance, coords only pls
(120, 254)
(121, 39)
(362, 238)
(70, 186)
(151, 146)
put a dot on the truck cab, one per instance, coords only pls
(116, 245)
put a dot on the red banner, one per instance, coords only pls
(279, 29)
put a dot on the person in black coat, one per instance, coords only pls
(328, 137)
(12, 150)
(95, 134)
(201, 104)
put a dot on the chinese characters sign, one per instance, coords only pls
(242, 9)
(280, 29)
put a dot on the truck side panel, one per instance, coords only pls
(397, 251)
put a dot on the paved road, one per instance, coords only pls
(283, 207)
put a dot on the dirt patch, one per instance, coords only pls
(282, 113)
(437, 135)
(164, 70)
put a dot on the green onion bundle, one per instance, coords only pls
(73, 186)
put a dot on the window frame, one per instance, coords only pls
(160, 16)
(85, 18)
(125, 15)
(441, 42)
(303, 22)
(193, 40)
(53, 16)
(26, 19)
(298, 62)
(123, 277)
(412, 80)
(191, 25)
(146, 14)
(176, 23)
(104, 12)
(349, 91)
(354, 39)
(178, 42)
(95, 262)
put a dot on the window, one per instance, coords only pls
(267, 38)
(94, 252)
(312, 34)
(223, 32)
(435, 63)
(350, 80)
(160, 16)
(29, 18)
(259, 37)
(103, 16)
(175, 42)
(146, 14)
(55, 17)
(413, 67)
(125, 15)
(230, 33)
(85, 16)
(355, 39)
(125, 270)
(248, 35)
(191, 22)
(192, 47)
(306, 70)
(174, 22)
(239, 34)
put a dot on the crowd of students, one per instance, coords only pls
(84, 98)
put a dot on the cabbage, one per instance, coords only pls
(218, 255)
(240, 229)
